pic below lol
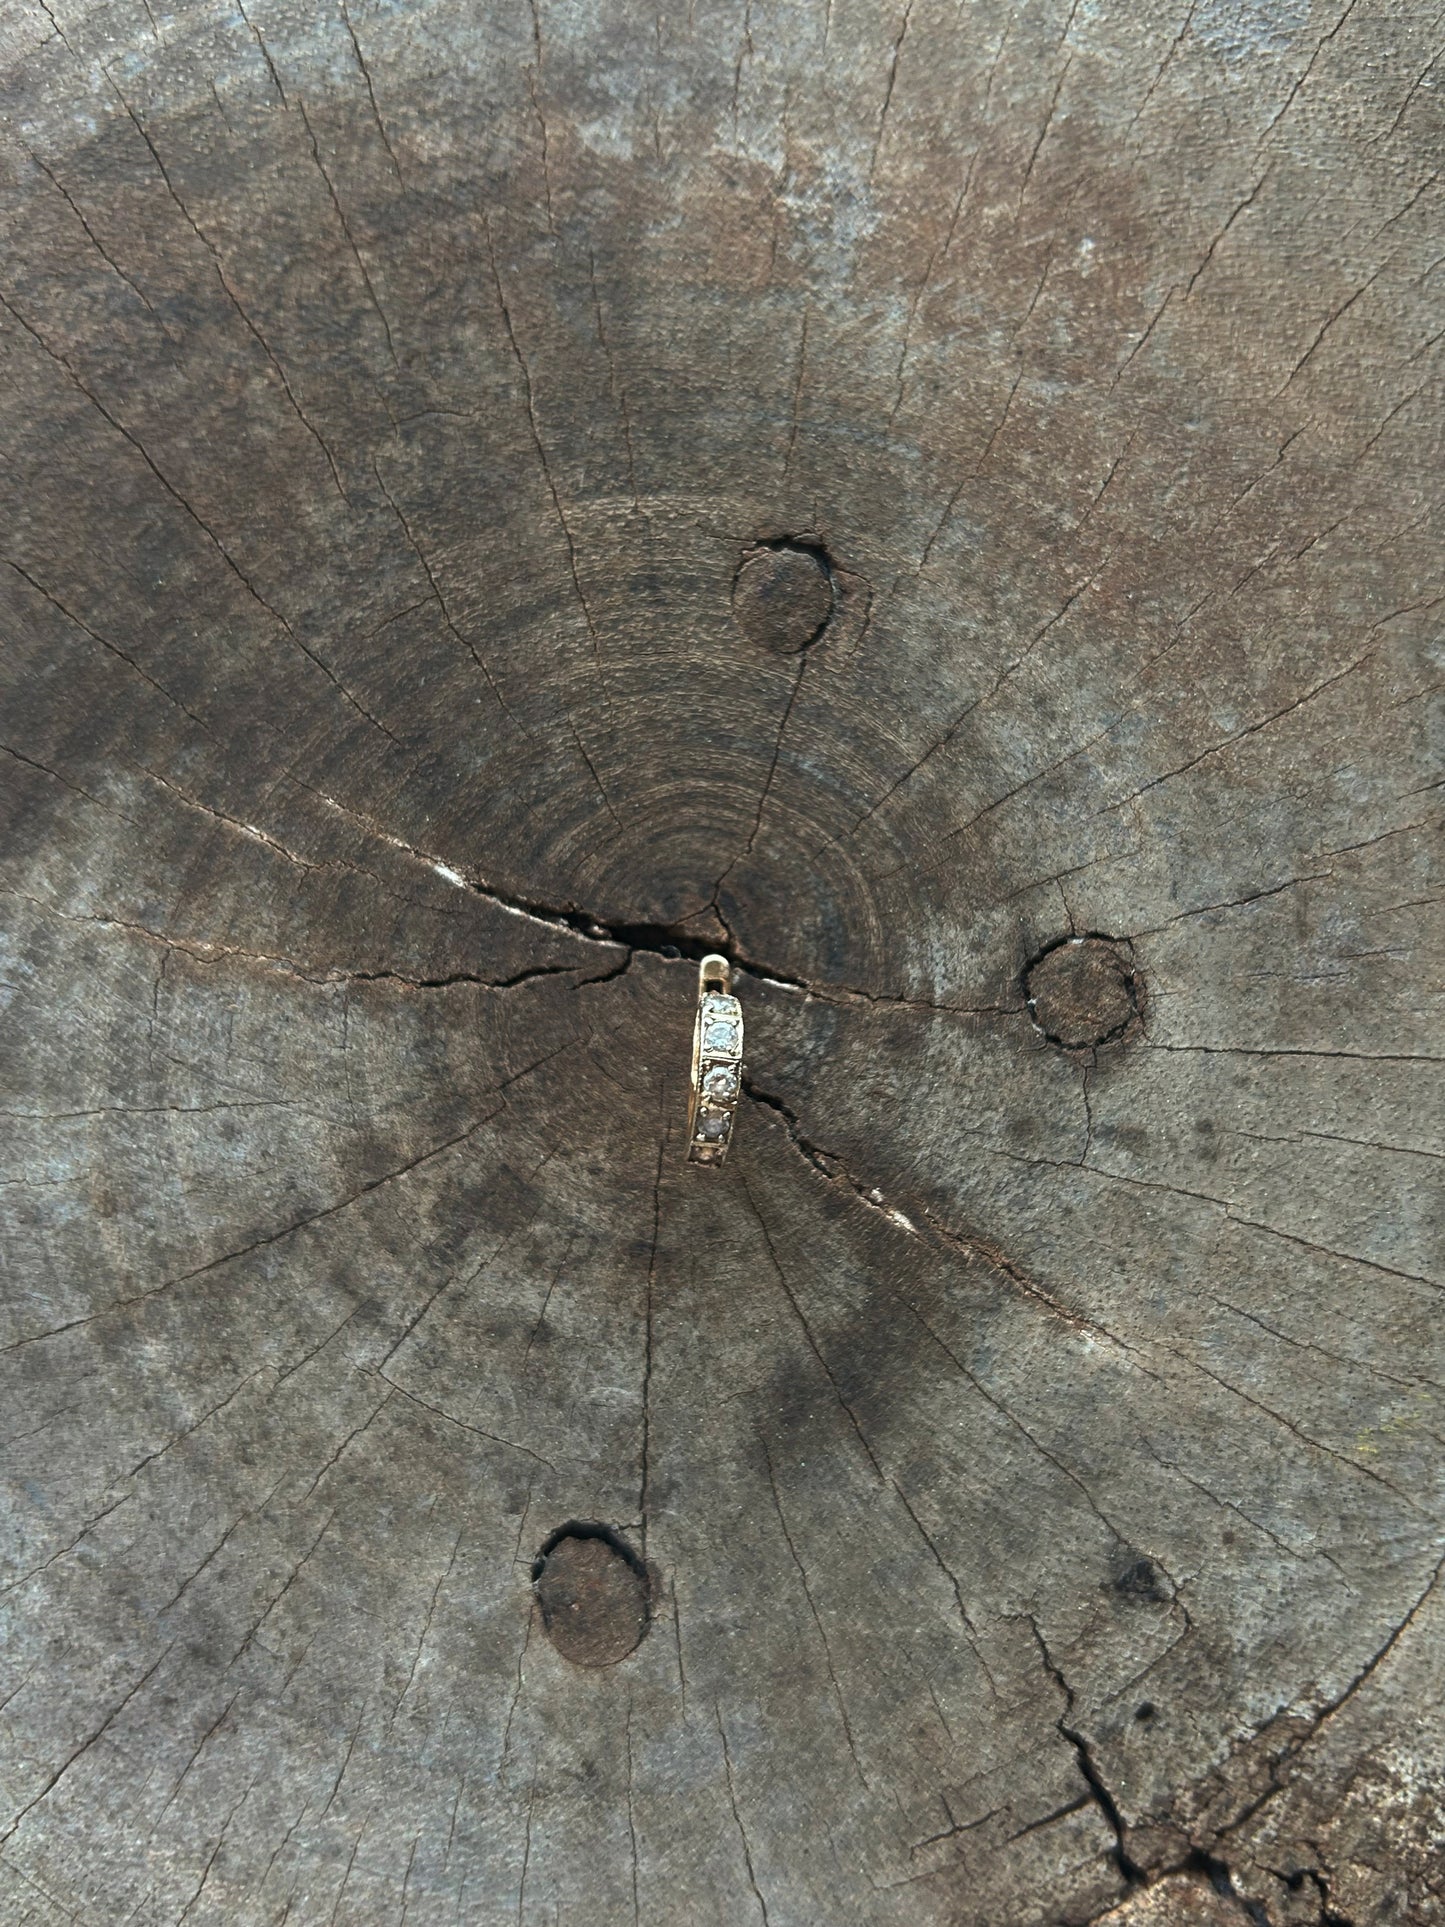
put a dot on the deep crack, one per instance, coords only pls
(1119, 1853)
(1222, 1881)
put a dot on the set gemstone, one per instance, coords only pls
(717, 1069)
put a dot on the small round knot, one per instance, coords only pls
(1084, 991)
(783, 596)
(593, 1591)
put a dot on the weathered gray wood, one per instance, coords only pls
(434, 435)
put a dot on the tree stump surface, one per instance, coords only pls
(940, 504)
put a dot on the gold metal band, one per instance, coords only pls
(717, 1064)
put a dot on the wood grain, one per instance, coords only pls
(499, 500)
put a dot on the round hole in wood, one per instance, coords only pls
(593, 1591)
(1084, 991)
(783, 595)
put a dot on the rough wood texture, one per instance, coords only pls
(496, 497)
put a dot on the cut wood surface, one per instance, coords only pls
(941, 504)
